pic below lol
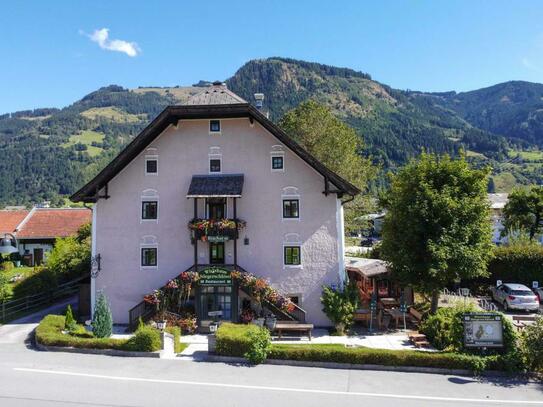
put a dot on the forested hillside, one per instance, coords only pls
(48, 153)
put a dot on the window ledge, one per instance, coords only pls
(292, 266)
(144, 268)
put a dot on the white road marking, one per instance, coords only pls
(282, 389)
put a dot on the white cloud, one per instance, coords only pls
(101, 37)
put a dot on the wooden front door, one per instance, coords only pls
(38, 257)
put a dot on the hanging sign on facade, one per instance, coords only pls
(217, 239)
(215, 276)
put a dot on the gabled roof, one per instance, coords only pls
(53, 223)
(218, 94)
(217, 185)
(172, 114)
(9, 220)
(366, 267)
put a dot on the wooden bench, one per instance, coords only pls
(522, 321)
(293, 326)
(415, 317)
(419, 340)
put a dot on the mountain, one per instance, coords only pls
(47, 153)
(512, 109)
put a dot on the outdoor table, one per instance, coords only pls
(389, 302)
(396, 314)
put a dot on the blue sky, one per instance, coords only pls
(52, 52)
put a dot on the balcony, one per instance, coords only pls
(215, 230)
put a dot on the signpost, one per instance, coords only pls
(215, 276)
(498, 283)
(403, 310)
(483, 330)
(535, 284)
(373, 308)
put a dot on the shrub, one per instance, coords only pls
(384, 357)
(339, 306)
(176, 332)
(531, 345)
(234, 339)
(70, 257)
(6, 265)
(145, 339)
(444, 329)
(260, 342)
(102, 323)
(49, 333)
(41, 280)
(69, 323)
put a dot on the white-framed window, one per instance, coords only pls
(214, 127)
(149, 205)
(151, 164)
(292, 251)
(215, 165)
(278, 163)
(290, 204)
(149, 252)
(277, 158)
(149, 210)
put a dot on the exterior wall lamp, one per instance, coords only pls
(8, 245)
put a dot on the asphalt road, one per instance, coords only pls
(32, 378)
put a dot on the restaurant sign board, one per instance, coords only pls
(215, 276)
(483, 330)
(217, 239)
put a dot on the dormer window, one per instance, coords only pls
(215, 126)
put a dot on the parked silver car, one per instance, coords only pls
(515, 296)
(539, 293)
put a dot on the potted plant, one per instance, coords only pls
(271, 321)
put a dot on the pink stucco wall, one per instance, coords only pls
(183, 152)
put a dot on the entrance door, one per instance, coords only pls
(216, 299)
(216, 253)
(38, 257)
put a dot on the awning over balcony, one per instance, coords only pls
(219, 186)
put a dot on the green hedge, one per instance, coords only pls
(384, 357)
(49, 333)
(234, 340)
(176, 332)
(519, 263)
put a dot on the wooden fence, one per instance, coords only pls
(10, 309)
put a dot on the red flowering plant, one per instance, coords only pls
(247, 315)
(261, 289)
(215, 227)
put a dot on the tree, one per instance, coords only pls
(71, 255)
(437, 228)
(69, 322)
(336, 145)
(524, 211)
(102, 322)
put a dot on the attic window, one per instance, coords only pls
(214, 126)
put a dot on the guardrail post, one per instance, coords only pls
(3, 310)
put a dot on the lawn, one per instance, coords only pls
(112, 113)
(86, 137)
(24, 271)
